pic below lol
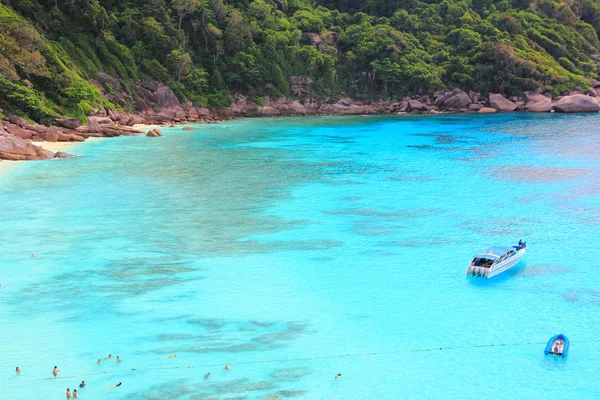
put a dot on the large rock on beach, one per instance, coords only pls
(37, 128)
(544, 105)
(487, 110)
(52, 134)
(114, 115)
(455, 99)
(16, 149)
(16, 130)
(416, 105)
(533, 97)
(71, 123)
(104, 121)
(577, 103)
(94, 125)
(501, 103)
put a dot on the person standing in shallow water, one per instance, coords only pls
(68, 393)
(74, 393)
(18, 371)
(82, 385)
(55, 371)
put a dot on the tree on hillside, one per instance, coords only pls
(185, 7)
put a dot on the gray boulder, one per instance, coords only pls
(544, 105)
(533, 97)
(577, 103)
(456, 99)
(416, 105)
(501, 103)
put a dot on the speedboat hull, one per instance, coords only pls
(505, 265)
(495, 261)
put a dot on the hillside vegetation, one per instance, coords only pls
(51, 51)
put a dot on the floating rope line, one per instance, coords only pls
(284, 360)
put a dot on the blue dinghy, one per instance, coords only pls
(558, 346)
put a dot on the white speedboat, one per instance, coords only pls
(496, 260)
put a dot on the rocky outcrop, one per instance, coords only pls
(16, 130)
(16, 149)
(487, 110)
(94, 125)
(268, 111)
(501, 103)
(416, 105)
(154, 133)
(455, 99)
(20, 122)
(188, 128)
(533, 97)
(544, 105)
(300, 85)
(52, 134)
(70, 123)
(577, 103)
(39, 129)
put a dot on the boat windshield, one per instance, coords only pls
(482, 262)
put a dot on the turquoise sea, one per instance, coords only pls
(297, 249)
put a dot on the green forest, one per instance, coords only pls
(206, 51)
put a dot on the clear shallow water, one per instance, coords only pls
(289, 239)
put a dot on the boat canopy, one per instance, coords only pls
(495, 252)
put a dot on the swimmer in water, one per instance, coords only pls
(18, 371)
(118, 359)
(74, 393)
(226, 367)
(114, 386)
(173, 356)
(32, 255)
(79, 291)
(338, 376)
(55, 371)
(68, 393)
(82, 385)
(206, 375)
(109, 357)
(99, 361)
